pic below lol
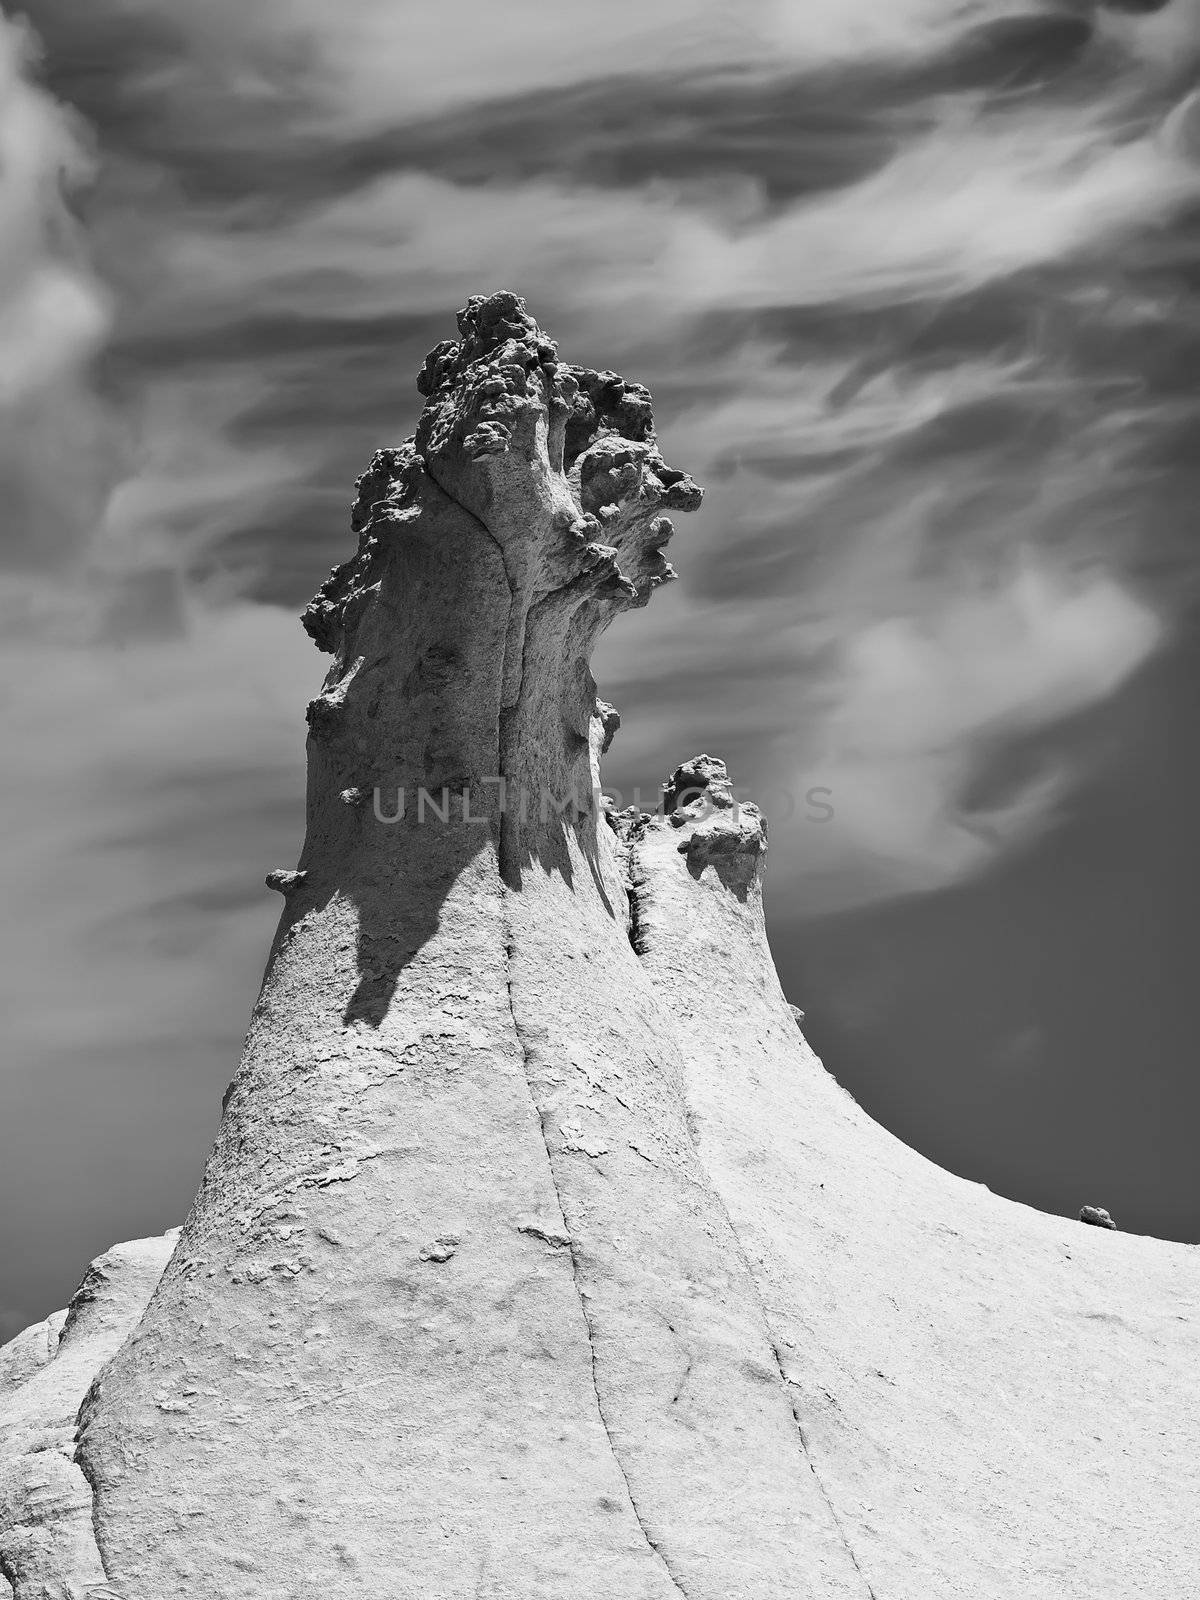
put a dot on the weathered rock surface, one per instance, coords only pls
(1097, 1216)
(537, 1256)
(997, 1402)
(47, 1546)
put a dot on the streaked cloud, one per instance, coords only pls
(143, 790)
(53, 311)
(915, 710)
(54, 315)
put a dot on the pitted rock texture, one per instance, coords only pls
(1097, 1216)
(718, 830)
(537, 1255)
(284, 881)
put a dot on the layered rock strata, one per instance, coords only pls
(537, 1256)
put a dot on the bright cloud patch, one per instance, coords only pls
(915, 707)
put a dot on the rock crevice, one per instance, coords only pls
(572, 1249)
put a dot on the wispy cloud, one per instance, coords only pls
(53, 311)
(977, 200)
(980, 199)
(54, 315)
(1168, 39)
(143, 783)
(371, 64)
(848, 31)
(914, 710)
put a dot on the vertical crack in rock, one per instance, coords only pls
(788, 1387)
(516, 621)
(80, 1460)
(727, 835)
(53, 1537)
(825, 1495)
(635, 884)
(600, 470)
(579, 1291)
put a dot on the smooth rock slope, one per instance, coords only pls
(537, 1256)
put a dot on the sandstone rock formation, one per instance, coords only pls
(537, 1255)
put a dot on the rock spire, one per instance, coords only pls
(537, 1255)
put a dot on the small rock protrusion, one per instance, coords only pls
(323, 715)
(610, 721)
(556, 1238)
(488, 439)
(797, 1014)
(441, 1248)
(717, 829)
(1097, 1216)
(599, 555)
(283, 881)
(698, 786)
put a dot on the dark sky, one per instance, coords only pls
(914, 287)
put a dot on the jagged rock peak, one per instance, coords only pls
(701, 782)
(560, 464)
(498, 332)
(711, 826)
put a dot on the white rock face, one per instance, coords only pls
(47, 1545)
(537, 1256)
(997, 1402)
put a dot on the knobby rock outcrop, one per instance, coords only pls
(537, 1255)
